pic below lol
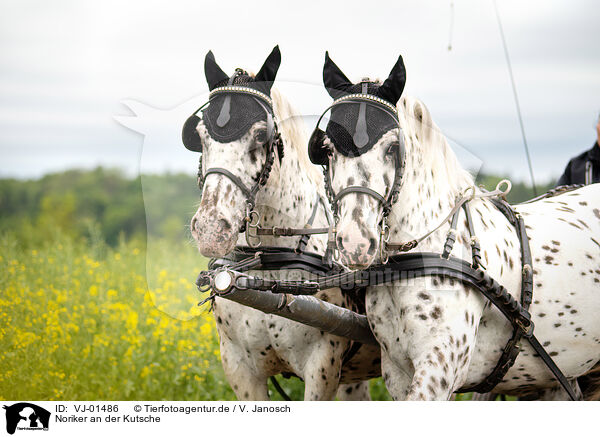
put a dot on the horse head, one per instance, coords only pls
(234, 132)
(363, 154)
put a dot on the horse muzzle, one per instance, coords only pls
(215, 236)
(357, 250)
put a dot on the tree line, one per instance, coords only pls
(106, 204)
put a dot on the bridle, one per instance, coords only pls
(251, 223)
(273, 140)
(398, 150)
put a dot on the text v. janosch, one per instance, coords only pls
(261, 409)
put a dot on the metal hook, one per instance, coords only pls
(252, 237)
(384, 238)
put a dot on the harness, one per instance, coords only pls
(226, 278)
(411, 266)
(268, 258)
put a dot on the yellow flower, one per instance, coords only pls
(205, 329)
(93, 290)
(132, 320)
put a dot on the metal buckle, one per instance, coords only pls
(527, 330)
(384, 238)
(331, 243)
(252, 220)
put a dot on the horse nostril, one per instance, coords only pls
(224, 224)
(193, 224)
(372, 246)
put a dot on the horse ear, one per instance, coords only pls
(269, 69)
(336, 82)
(393, 86)
(213, 72)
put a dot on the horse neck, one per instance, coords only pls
(288, 197)
(429, 189)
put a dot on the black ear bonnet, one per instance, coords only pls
(354, 128)
(230, 115)
(356, 125)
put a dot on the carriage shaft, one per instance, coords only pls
(308, 310)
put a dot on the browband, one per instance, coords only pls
(242, 90)
(355, 98)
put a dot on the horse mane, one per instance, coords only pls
(423, 133)
(293, 133)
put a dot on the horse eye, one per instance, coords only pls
(391, 149)
(261, 136)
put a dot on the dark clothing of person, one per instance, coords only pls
(583, 169)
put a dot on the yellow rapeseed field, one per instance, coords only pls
(80, 323)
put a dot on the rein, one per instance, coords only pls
(254, 231)
(462, 202)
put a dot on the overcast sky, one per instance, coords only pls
(66, 66)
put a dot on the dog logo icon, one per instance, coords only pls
(26, 416)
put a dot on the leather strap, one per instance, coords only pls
(554, 192)
(413, 265)
(511, 349)
(233, 178)
(306, 231)
(362, 190)
(290, 232)
(304, 240)
(275, 258)
(535, 344)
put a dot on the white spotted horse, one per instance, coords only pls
(253, 168)
(396, 186)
